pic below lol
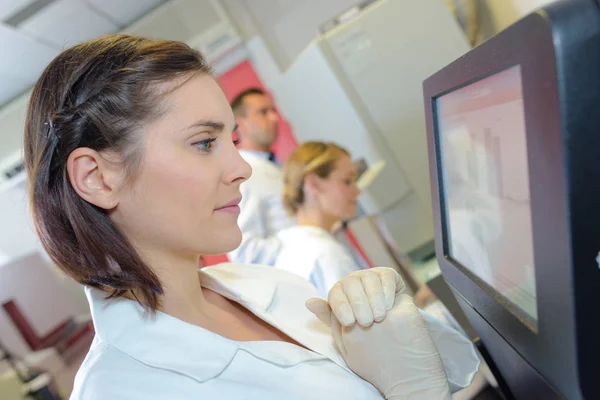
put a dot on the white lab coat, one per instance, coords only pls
(262, 212)
(314, 254)
(136, 356)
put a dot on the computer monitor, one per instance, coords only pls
(514, 146)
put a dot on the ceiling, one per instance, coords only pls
(33, 32)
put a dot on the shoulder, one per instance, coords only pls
(107, 373)
(309, 238)
(335, 250)
(304, 247)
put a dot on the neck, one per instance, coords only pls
(312, 217)
(182, 289)
(182, 296)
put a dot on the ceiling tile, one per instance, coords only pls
(23, 60)
(124, 12)
(83, 23)
(10, 7)
(32, 43)
(22, 56)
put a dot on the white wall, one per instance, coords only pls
(286, 26)
(12, 121)
(17, 236)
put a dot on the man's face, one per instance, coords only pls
(260, 122)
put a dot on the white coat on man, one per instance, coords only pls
(262, 213)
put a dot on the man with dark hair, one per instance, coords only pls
(262, 212)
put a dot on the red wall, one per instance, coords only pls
(243, 76)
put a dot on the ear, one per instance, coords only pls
(312, 184)
(94, 178)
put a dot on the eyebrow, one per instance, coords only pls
(218, 126)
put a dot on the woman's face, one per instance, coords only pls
(184, 195)
(338, 194)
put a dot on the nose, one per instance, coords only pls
(238, 170)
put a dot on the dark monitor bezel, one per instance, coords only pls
(555, 50)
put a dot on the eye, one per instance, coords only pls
(205, 145)
(237, 141)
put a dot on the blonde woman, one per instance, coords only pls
(320, 191)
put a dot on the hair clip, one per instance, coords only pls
(50, 126)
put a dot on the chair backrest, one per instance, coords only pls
(22, 324)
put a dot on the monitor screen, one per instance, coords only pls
(481, 130)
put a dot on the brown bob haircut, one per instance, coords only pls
(97, 94)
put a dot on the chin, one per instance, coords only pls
(224, 242)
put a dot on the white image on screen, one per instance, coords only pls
(487, 185)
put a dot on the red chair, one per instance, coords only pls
(63, 337)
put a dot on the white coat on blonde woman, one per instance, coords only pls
(316, 255)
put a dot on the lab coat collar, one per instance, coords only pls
(162, 341)
(278, 298)
(232, 282)
(159, 340)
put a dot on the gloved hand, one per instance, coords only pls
(367, 296)
(363, 296)
(396, 354)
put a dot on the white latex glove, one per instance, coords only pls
(398, 355)
(363, 296)
(366, 296)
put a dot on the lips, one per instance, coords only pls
(231, 207)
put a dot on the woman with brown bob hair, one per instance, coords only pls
(133, 175)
